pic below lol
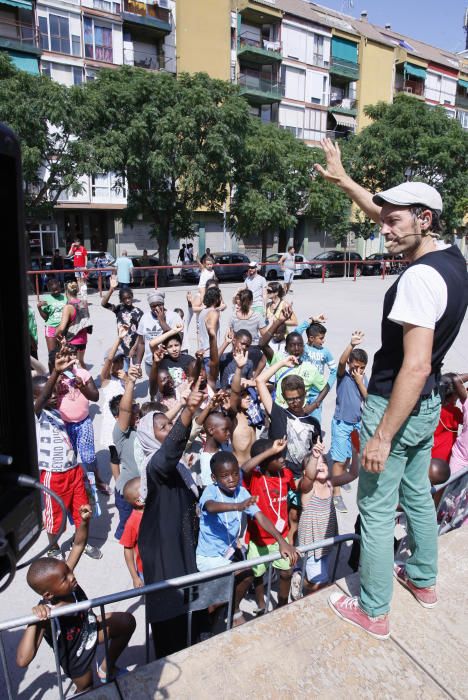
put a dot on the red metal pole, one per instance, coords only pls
(383, 269)
(355, 266)
(99, 282)
(156, 278)
(37, 285)
(323, 274)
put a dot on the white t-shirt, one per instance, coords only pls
(149, 327)
(54, 448)
(256, 284)
(204, 277)
(421, 297)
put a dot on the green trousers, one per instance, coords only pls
(405, 480)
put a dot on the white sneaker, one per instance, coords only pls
(296, 586)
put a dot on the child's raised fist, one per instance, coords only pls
(85, 512)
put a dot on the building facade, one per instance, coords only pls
(304, 67)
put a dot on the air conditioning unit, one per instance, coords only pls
(164, 4)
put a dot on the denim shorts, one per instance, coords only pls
(341, 449)
(207, 563)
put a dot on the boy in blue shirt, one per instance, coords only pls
(319, 356)
(351, 391)
(221, 518)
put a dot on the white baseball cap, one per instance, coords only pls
(253, 263)
(410, 193)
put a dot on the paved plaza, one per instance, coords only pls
(348, 306)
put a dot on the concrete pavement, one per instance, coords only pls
(348, 306)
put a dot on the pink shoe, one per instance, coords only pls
(349, 610)
(427, 597)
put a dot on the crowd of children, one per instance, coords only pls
(246, 411)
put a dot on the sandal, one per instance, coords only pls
(117, 673)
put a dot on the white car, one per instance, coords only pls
(272, 269)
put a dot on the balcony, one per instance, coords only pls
(147, 16)
(411, 87)
(15, 36)
(343, 105)
(109, 6)
(251, 48)
(461, 100)
(258, 90)
(344, 69)
(143, 59)
(259, 11)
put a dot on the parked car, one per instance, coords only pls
(147, 275)
(393, 264)
(334, 256)
(274, 271)
(222, 271)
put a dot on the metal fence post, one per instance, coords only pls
(5, 669)
(106, 639)
(36, 276)
(231, 598)
(355, 268)
(323, 273)
(54, 623)
(100, 283)
(268, 595)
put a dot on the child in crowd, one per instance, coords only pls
(351, 391)
(459, 457)
(57, 459)
(80, 633)
(270, 484)
(318, 518)
(450, 419)
(301, 429)
(50, 309)
(129, 538)
(127, 414)
(207, 273)
(244, 410)
(221, 526)
(241, 341)
(218, 430)
(319, 356)
(75, 324)
(126, 314)
(174, 360)
(112, 384)
(278, 340)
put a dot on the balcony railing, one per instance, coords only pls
(343, 102)
(254, 81)
(412, 87)
(143, 59)
(18, 33)
(103, 5)
(347, 69)
(318, 60)
(144, 10)
(461, 101)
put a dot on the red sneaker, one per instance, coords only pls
(427, 597)
(349, 610)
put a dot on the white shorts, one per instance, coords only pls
(317, 570)
(207, 563)
(288, 276)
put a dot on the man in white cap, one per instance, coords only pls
(257, 285)
(153, 323)
(422, 314)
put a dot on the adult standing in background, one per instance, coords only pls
(58, 263)
(80, 260)
(422, 314)
(288, 265)
(124, 268)
(257, 285)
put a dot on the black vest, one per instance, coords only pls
(451, 265)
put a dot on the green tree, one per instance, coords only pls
(174, 141)
(271, 183)
(46, 116)
(410, 140)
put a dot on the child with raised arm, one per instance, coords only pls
(129, 538)
(318, 518)
(351, 392)
(80, 633)
(222, 505)
(50, 309)
(244, 411)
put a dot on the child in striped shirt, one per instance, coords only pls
(318, 519)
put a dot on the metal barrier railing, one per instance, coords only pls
(390, 267)
(191, 582)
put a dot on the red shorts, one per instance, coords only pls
(70, 487)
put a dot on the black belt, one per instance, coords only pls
(423, 397)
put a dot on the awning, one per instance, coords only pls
(415, 71)
(22, 4)
(463, 83)
(345, 120)
(30, 64)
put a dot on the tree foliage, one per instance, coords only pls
(328, 206)
(173, 140)
(46, 116)
(411, 140)
(271, 181)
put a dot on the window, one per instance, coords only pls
(45, 68)
(76, 45)
(98, 41)
(77, 75)
(294, 82)
(59, 34)
(44, 33)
